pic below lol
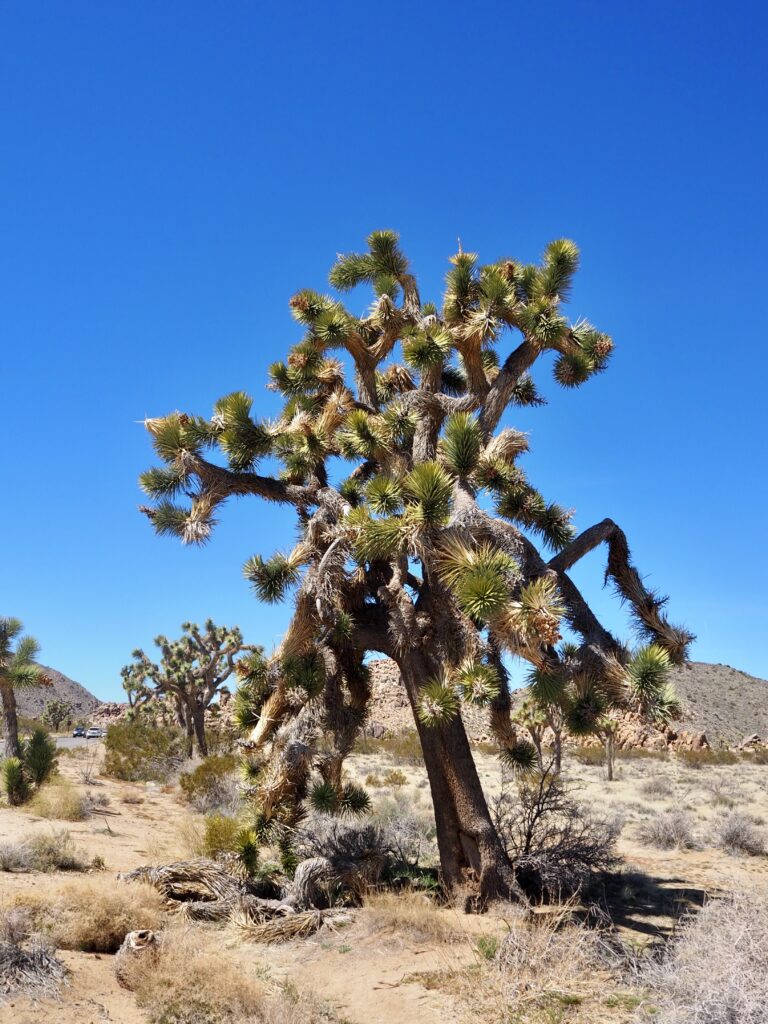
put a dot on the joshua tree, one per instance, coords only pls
(56, 711)
(556, 699)
(17, 669)
(402, 555)
(192, 672)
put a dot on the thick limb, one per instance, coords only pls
(647, 606)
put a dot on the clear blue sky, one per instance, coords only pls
(172, 172)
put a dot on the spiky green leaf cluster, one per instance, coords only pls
(438, 702)
(272, 578)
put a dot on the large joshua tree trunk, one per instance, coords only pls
(198, 722)
(471, 854)
(10, 720)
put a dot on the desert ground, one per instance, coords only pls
(396, 958)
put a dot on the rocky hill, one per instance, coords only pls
(722, 703)
(31, 701)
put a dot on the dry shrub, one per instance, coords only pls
(668, 830)
(554, 843)
(737, 833)
(715, 972)
(591, 756)
(724, 793)
(402, 748)
(657, 788)
(60, 800)
(16, 857)
(213, 785)
(30, 970)
(544, 970)
(703, 758)
(414, 916)
(55, 851)
(92, 915)
(191, 981)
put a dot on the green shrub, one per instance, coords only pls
(40, 756)
(212, 784)
(138, 751)
(15, 781)
(221, 835)
(394, 777)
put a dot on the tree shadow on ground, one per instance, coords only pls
(647, 908)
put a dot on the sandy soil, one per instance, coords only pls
(373, 974)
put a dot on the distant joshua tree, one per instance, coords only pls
(192, 671)
(56, 711)
(17, 669)
(421, 548)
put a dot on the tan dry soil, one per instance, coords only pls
(370, 974)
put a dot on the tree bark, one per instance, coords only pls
(10, 720)
(472, 856)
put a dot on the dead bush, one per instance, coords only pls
(724, 793)
(16, 857)
(715, 971)
(657, 788)
(737, 833)
(667, 830)
(29, 969)
(220, 991)
(554, 843)
(91, 915)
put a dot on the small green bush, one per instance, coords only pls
(39, 755)
(212, 784)
(15, 781)
(138, 751)
(394, 777)
(221, 835)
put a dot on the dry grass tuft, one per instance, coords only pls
(414, 916)
(191, 982)
(92, 915)
(59, 800)
(715, 973)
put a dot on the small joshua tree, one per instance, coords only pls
(557, 699)
(17, 669)
(400, 551)
(191, 672)
(56, 711)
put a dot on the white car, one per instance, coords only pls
(94, 733)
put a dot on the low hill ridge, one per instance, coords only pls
(31, 700)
